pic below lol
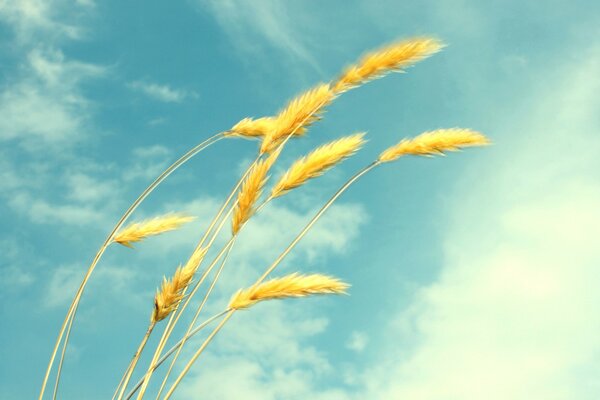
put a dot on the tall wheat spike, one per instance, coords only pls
(293, 285)
(171, 291)
(299, 113)
(434, 143)
(393, 57)
(138, 231)
(317, 162)
(251, 191)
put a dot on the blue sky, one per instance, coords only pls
(473, 275)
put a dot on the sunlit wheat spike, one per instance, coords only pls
(196, 258)
(252, 128)
(251, 191)
(170, 293)
(434, 143)
(317, 162)
(138, 231)
(297, 115)
(293, 285)
(393, 57)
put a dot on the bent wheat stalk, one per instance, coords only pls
(65, 329)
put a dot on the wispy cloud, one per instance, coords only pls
(45, 103)
(513, 315)
(252, 25)
(163, 93)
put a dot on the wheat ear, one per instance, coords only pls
(251, 191)
(252, 128)
(169, 295)
(139, 231)
(434, 143)
(390, 58)
(317, 162)
(65, 329)
(297, 115)
(293, 285)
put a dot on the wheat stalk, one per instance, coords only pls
(293, 285)
(390, 58)
(434, 143)
(67, 324)
(317, 162)
(299, 113)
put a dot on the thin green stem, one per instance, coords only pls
(71, 313)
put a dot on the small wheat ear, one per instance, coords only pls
(139, 231)
(393, 57)
(318, 162)
(434, 143)
(293, 285)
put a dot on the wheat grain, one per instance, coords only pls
(138, 231)
(293, 285)
(393, 57)
(434, 143)
(317, 162)
(297, 115)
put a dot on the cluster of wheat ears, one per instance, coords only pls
(246, 199)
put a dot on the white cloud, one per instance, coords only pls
(514, 312)
(65, 279)
(49, 20)
(162, 92)
(251, 25)
(357, 341)
(45, 105)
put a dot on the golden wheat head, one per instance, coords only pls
(317, 162)
(252, 128)
(393, 57)
(251, 191)
(434, 143)
(138, 231)
(293, 285)
(297, 115)
(171, 292)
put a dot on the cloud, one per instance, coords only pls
(64, 281)
(252, 25)
(51, 20)
(513, 313)
(45, 104)
(163, 93)
(357, 341)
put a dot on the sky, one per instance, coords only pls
(473, 275)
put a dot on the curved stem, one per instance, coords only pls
(173, 349)
(315, 219)
(68, 321)
(172, 322)
(134, 361)
(198, 311)
(197, 354)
